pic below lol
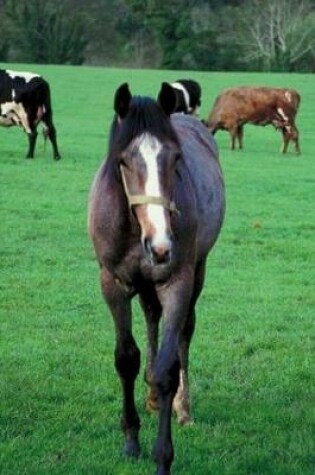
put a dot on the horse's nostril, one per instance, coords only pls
(161, 253)
(158, 252)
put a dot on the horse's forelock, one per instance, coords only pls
(144, 115)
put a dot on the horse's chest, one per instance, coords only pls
(122, 262)
(130, 269)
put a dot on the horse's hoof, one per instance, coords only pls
(185, 420)
(132, 449)
(163, 471)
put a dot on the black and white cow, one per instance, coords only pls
(25, 101)
(188, 96)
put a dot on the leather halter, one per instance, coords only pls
(134, 200)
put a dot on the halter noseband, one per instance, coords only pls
(145, 200)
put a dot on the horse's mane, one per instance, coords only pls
(144, 115)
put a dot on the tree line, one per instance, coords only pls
(204, 35)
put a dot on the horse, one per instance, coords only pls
(156, 207)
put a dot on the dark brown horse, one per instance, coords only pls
(156, 209)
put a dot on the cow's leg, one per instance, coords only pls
(175, 300)
(52, 134)
(181, 403)
(297, 145)
(234, 134)
(286, 140)
(127, 358)
(152, 311)
(240, 135)
(290, 132)
(295, 139)
(31, 143)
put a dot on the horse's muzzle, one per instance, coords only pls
(158, 252)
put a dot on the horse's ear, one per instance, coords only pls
(167, 98)
(122, 100)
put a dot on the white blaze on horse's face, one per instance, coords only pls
(149, 149)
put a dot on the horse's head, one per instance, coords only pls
(147, 149)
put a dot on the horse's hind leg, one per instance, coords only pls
(127, 358)
(181, 403)
(152, 311)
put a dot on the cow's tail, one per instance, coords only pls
(47, 102)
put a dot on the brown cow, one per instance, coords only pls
(259, 106)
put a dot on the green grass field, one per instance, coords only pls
(252, 358)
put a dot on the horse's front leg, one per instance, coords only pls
(152, 311)
(181, 403)
(127, 358)
(175, 300)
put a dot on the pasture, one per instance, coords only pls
(252, 369)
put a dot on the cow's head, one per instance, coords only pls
(16, 113)
(286, 128)
(282, 122)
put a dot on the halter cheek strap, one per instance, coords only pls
(146, 199)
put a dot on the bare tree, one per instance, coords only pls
(278, 34)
